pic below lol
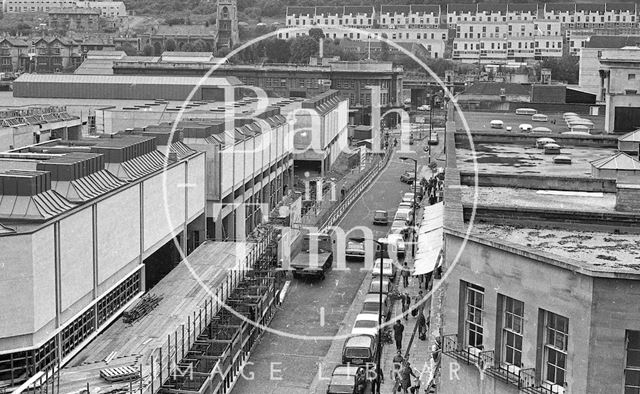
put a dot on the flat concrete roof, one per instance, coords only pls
(506, 197)
(601, 250)
(480, 121)
(518, 159)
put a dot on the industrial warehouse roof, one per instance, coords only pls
(634, 136)
(95, 67)
(619, 161)
(127, 79)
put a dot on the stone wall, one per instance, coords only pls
(628, 198)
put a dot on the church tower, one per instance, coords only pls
(227, 24)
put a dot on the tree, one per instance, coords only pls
(302, 48)
(147, 50)
(316, 33)
(566, 68)
(277, 50)
(200, 46)
(170, 45)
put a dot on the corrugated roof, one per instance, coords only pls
(495, 88)
(634, 136)
(139, 167)
(619, 161)
(126, 79)
(181, 149)
(42, 206)
(612, 41)
(88, 187)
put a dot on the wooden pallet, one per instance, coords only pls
(120, 374)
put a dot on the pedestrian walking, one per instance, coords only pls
(408, 297)
(422, 325)
(405, 275)
(398, 330)
(398, 362)
(404, 297)
(406, 374)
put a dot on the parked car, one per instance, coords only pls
(359, 349)
(424, 108)
(405, 215)
(354, 250)
(408, 177)
(406, 205)
(374, 288)
(388, 268)
(348, 379)
(433, 139)
(539, 118)
(371, 304)
(525, 127)
(381, 217)
(366, 323)
(496, 124)
(396, 242)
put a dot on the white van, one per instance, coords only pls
(496, 124)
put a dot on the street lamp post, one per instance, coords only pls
(415, 182)
(379, 346)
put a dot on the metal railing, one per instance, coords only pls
(525, 379)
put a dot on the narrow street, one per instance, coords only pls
(281, 364)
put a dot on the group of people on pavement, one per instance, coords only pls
(433, 188)
(401, 374)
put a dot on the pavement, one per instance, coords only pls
(293, 363)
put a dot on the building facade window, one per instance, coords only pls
(555, 348)
(513, 331)
(632, 364)
(473, 321)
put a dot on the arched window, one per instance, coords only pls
(225, 13)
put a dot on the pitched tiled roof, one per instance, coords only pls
(329, 10)
(395, 9)
(522, 7)
(461, 8)
(425, 9)
(560, 7)
(612, 41)
(14, 42)
(621, 6)
(358, 9)
(489, 7)
(590, 7)
(184, 30)
(301, 11)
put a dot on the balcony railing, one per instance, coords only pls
(525, 380)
